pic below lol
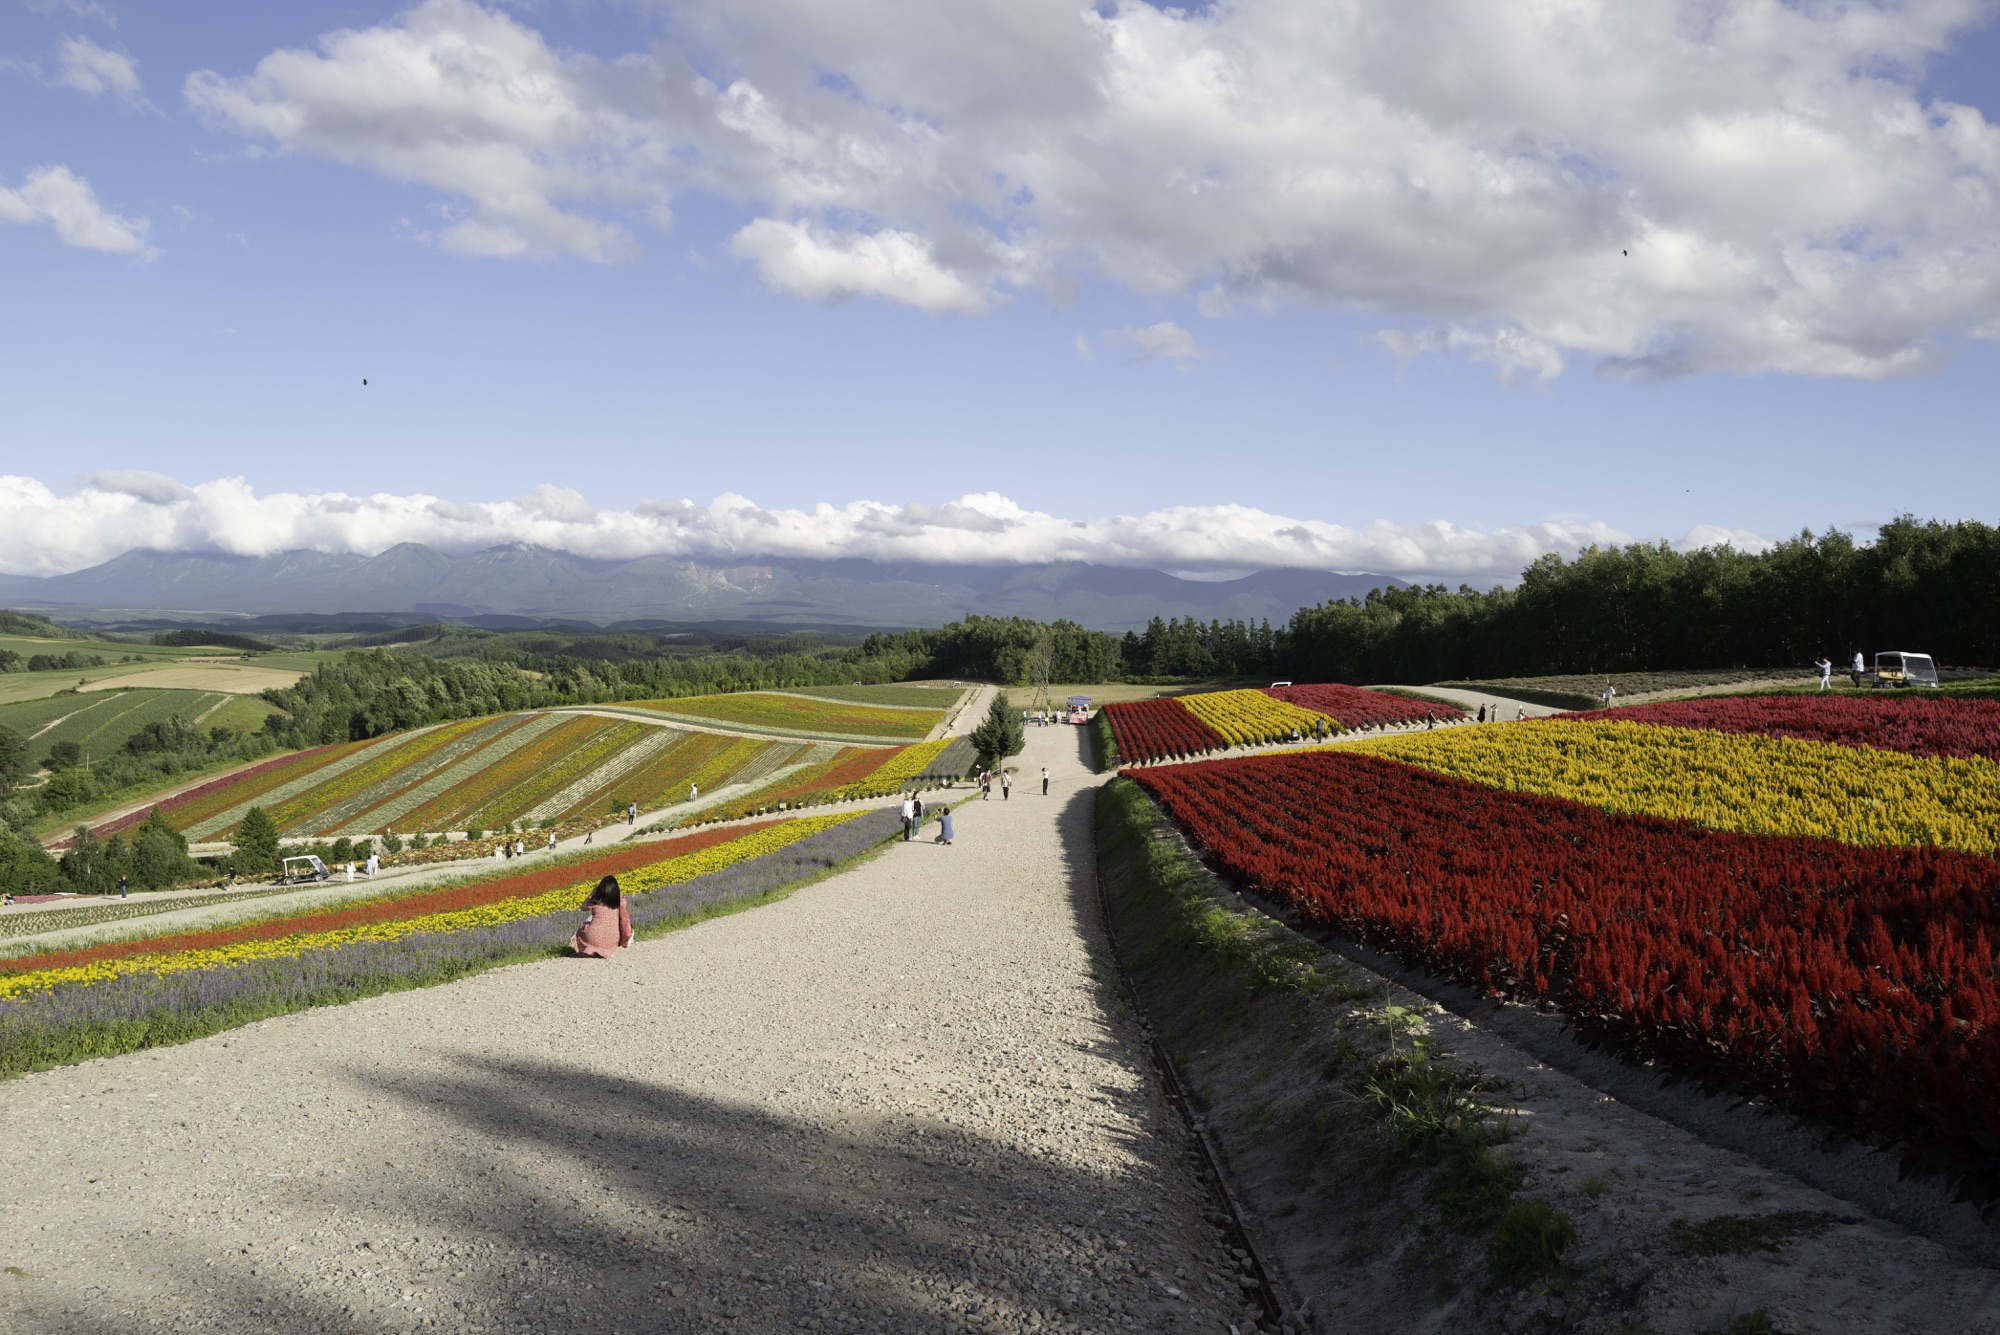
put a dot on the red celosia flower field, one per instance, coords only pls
(1919, 725)
(1859, 986)
(1358, 708)
(1149, 730)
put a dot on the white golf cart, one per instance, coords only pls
(1079, 708)
(296, 871)
(1899, 668)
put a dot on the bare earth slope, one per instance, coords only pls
(901, 1100)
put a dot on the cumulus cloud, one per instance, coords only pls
(805, 260)
(1164, 342)
(90, 68)
(43, 532)
(58, 198)
(1651, 186)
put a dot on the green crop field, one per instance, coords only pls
(100, 721)
(923, 697)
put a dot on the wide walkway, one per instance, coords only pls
(904, 1099)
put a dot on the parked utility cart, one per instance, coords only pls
(296, 871)
(1900, 668)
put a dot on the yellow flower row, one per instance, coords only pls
(1725, 781)
(907, 764)
(670, 871)
(1247, 718)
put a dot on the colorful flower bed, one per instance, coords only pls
(1251, 718)
(1725, 781)
(396, 800)
(1916, 725)
(1150, 730)
(850, 775)
(191, 805)
(641, 868)
(799, 714)
(1354, 707)
(1859, 986)
(392, 761)
(492, 772)
(702, 758)
(169, 989)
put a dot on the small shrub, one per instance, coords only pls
(1528, 1243)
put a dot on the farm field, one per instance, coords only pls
(798, 716)
(101, 721)
(1810, 920)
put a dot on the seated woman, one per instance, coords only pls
(607, 925)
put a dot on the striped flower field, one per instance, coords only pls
(1793, 899)
(62, 1006)
(549, 768)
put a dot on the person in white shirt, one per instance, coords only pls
(1825, 666)
(1859, 667)
(909, 817)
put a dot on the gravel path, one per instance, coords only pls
(904, 1099)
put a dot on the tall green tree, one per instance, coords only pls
(256, 843)
(159, 854)
(999, 734)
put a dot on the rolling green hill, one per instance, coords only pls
(100, 721)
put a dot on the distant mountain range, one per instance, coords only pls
(540, 585)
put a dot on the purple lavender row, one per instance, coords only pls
(144, 1010)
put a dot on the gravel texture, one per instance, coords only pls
(904, 1099)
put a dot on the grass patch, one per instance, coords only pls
(1742, 1235)
(1752, 1322)
(1528, 1243)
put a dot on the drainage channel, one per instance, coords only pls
(1230, 1217)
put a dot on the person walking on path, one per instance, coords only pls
(374, 863)
(1825, 666)
(916, 815)
(694, 791)
(1610, 694)
(1860, 666)
(552, 841)
(909, 817)
(944, 834)
(607, 924)
(1520, 713)
(1482, 713)
(124, 888)
(1006, 785)
(1430, 720)
(985, 786)
(631, 813)
(1045, 781)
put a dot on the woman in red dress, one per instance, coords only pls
(607, 925)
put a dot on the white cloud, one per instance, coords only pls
(1164, 342)
(805, 260)
(1507, 350)
(43, 532)
(90, 68)
(1653, 186)
(59, 198)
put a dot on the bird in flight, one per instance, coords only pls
(1625, 253)
(364, 380)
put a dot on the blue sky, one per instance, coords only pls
(1048, 325)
